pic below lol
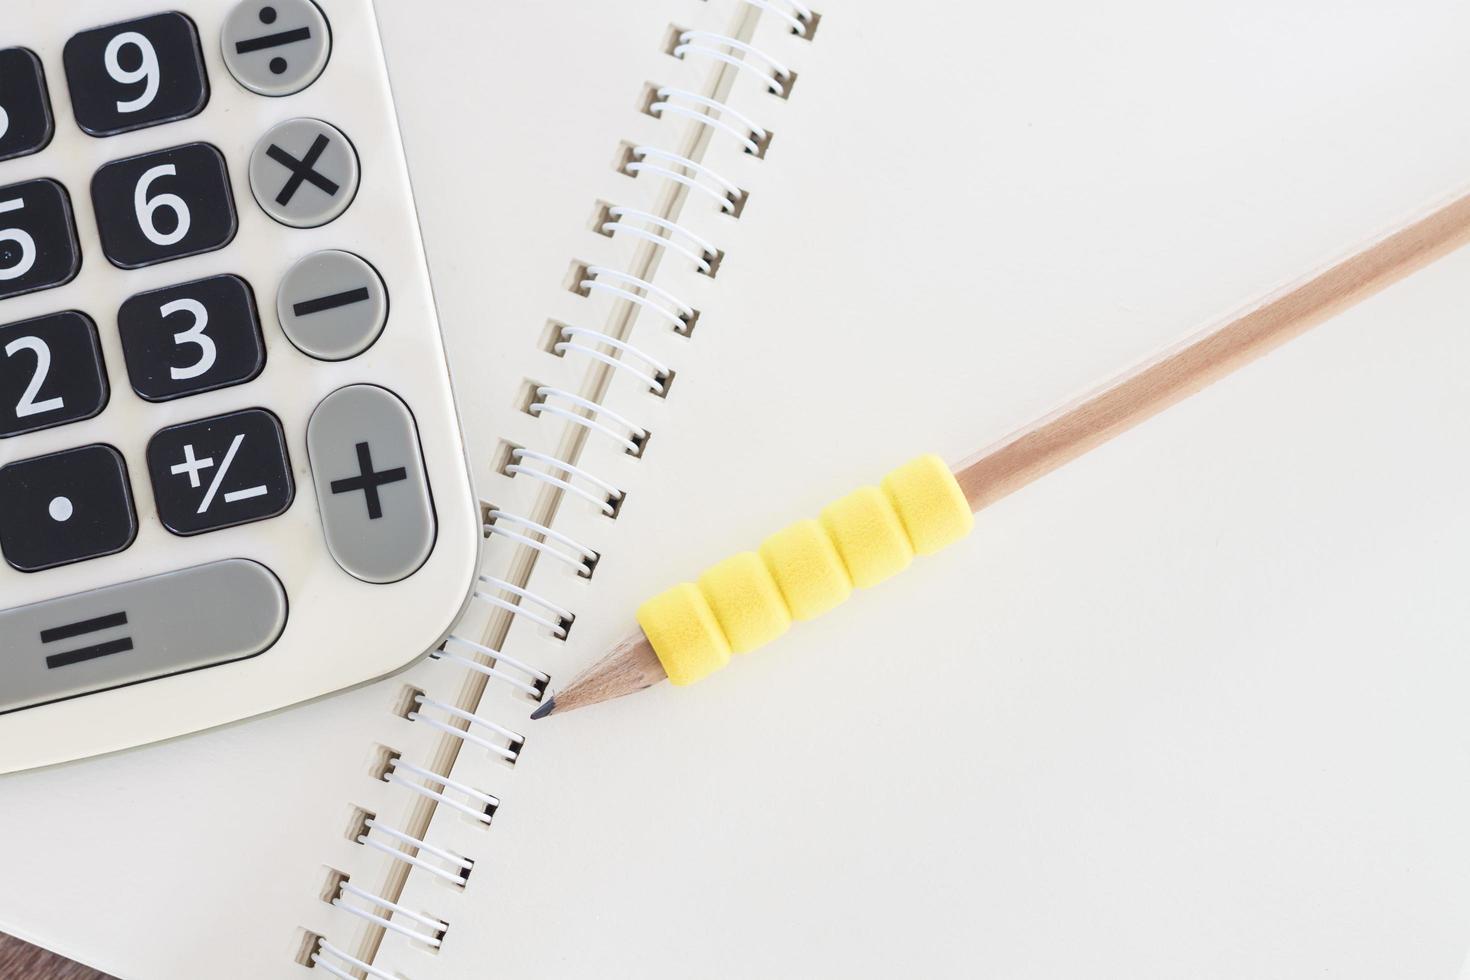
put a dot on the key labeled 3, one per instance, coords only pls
(198, 336)
(220, 472)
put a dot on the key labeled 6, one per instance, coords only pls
(165, 205)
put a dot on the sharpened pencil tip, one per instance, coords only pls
(546, 708)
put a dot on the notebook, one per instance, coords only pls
(1188, 707)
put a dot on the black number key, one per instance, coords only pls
(220, 472)
(38, 238)
(50, 373)
(25, 108)
(65, 507)
(164, 205)
(135, 74)
(191, 338)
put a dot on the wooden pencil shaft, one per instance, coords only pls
(1151, 387)
(1131, 398)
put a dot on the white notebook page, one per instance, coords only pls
(1189, 707)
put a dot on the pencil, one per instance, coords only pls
(759, 596)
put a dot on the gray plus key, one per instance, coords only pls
(371, 487)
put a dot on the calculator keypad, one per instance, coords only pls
(149, 524)
(51, 373)
(220, 472)
(38, 238)
(136, 74)
(65, 507)
(165, 205)
(26, 124)
(190, 338)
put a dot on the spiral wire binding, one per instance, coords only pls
(751, 138)
(657, 379)
(607, 501)
(464, 864)
(687, 44)
(536, 688)
(729, 195)
(433, 939)
(773, 79)
(682, 314)
(484, 814)
(584, 561)
(617, 355)
(325, 949)
(633, 442)
(800, 20)
(508, 754)
(558, 626)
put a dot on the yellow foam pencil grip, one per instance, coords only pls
(801, 572)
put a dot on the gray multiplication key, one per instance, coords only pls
(276, 47)
(304, 173)
(136, 631)
(332, 305)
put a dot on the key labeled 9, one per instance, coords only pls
(136, 74)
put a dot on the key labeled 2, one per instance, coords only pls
(51, 373)
(220, 472)
(38, 238)
(164, 205)
(137, 73)
(198, 336)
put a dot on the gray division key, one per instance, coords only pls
(304, 173)
(137, 631)
(377, 513)
(332, 305)
(276, 47)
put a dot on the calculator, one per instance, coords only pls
(232, 476)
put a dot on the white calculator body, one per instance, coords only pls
(232, 477)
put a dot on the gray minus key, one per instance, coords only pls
(332, 305)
